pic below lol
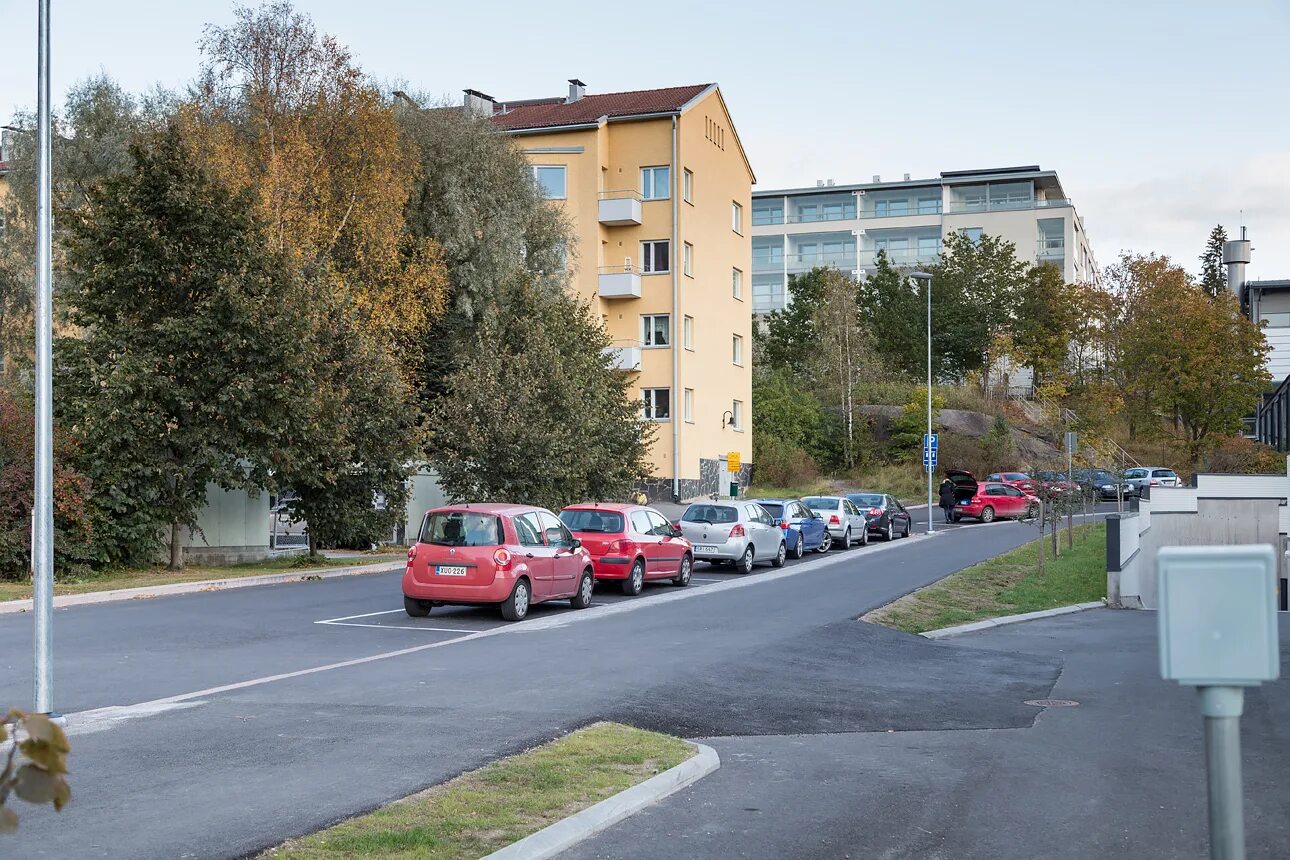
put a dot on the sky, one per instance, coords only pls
(1161, 119)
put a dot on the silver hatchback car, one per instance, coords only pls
(846, 522)
(734, 532)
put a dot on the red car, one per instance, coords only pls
(631, 544)
(509, 555)
(1020, 480)
(989, 500)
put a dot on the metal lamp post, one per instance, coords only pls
(42, 527)
(924, 276)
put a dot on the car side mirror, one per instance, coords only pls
(677, 532)
(576, 545)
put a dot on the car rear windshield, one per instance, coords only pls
(710, 514)
(592, 521)
(1135, 473)
(1014, 476)
(1163, 473)
(461, 528)
(866, 500)
(775, 509)
(822, 504)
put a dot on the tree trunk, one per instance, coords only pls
(1041, 538)
(176, 549)
(313, 545)
(1056, 527)
(1070, 527)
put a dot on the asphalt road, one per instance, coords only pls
(215, 725)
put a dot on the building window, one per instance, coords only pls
(768, 211)
(737, 218)
(655, 183)
(657, 404)
(737, 415)
(1276, 320)
(973, 234)
(688, 259)
(689, 405)
(551, 179)
(737, 350)
(737, 284)
(929, 205)
(656, 330)
(655, 257)
(687, 333)
(687, 186)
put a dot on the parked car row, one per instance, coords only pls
(514, 556)
(1100, 482)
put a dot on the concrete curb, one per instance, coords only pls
(550, 841)
(62, 601)
(989, 623)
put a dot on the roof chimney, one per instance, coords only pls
(577, 89)
(829, 182)
(819, 183)
(877, 179)
(906, 177)
(478, 104)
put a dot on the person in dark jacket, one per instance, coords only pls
(947, 497)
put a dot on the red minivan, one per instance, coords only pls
(631, 543)
(509, 555)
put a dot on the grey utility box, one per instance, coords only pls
(1218, 616)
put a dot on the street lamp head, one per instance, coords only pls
(921, 276)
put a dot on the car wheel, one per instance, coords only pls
(987, 514)
(416, 608)
(826, 543)
(516, 607)
(799, 546)
(846, 539)
(1032, 512)
(905, 533)
(682, 578)
(745, 563)
(781, 555)
(586, 586)
(955, 517)
(889, 535)
(635, 580)
(864, 535)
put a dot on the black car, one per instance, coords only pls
(886, 517)
(1103, 484)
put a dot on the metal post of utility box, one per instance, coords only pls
(1217, 628)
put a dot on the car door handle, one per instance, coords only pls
(528, 555)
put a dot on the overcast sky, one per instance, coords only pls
(1161, 118)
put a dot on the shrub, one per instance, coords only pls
(781, 464)
(1239, 455)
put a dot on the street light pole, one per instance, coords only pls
(42, 527)
(927, 440)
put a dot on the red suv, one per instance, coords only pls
(509, 555)
(631, 544)
(989, 500)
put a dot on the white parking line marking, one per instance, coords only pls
(699, 579)
(364, 615)
(393, 626)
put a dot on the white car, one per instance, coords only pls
(846, 522)
(734, 532)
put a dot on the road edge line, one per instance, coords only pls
(1004, 620)
(564, 834)
(115, 595)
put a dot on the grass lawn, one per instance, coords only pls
(487, 809)
(1006, 585)
(143, 578)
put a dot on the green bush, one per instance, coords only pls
(782, 464)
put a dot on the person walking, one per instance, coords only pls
(947, 497)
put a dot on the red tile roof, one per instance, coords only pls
(553, 112)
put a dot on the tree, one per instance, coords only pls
(360, 439)
(894, 310)
(1213, 275)
(786, 336)
(534, 413)
(183, 369)
(1195, 359)
(1044, 317)
(285, 112)
(474, 196)
(841, 356)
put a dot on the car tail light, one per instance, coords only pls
(615, 546)
(834, 521)
(502, 557)
(738, 530)
(875, 512)
(677, 525)
(1154, 482)
(784, 525)
(412, 553)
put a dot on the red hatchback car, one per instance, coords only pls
(631, 543)
(989, 500)
(1020, 480)
(509, 555)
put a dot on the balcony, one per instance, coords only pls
(620, 209)
(964, 207)
(1053, 248)
(918, 207)
(619, 282)
(625, 356)
(900, 257)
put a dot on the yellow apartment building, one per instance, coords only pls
(659, 191)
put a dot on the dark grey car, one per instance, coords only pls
(887, 517)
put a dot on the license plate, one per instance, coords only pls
(965, 502)
(705, 549)
(450, 570)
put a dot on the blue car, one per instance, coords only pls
(804, 530)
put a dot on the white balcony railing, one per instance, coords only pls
(620, 209)
(625, 356)
(619, 282)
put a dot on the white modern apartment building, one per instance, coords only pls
(844, 226)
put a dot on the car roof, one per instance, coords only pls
(834, 498)
(771, 500)
(618, 507)
(497, 508)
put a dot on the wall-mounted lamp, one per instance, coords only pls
(727, 419)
